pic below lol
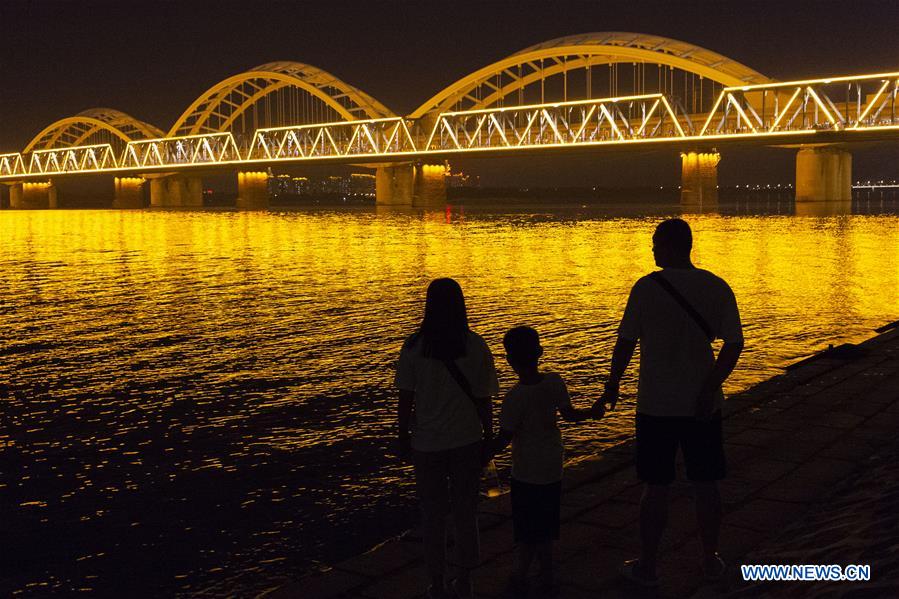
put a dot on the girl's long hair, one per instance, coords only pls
(444, 329)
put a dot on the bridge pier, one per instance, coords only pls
(31, 196)
(823, 173)
(252, 190)
(176, 191)
(14, 196)
(430, 185)
(394, 184)
(411, 185)
(129, 192)
(699, 178)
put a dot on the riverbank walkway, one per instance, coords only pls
(812, 476)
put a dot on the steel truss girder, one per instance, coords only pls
(835, 104)
(842, 104)
(558, 124)
(362, 138)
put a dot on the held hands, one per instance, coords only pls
(609, 397)
(598, 410)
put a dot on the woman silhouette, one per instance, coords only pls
(446, 375)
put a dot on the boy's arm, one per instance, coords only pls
(568, 411)
(572, 414)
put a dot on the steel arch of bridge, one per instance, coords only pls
(75, 130)
(216, 103)
(747, 106)
(832, 110)
(216, 110)
(588, 50)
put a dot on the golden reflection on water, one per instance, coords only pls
(235, 367)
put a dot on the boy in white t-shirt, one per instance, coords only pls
(528, 421)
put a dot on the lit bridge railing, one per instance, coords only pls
(840, 107)
(74, 159)
(609, 120)
(346, 139)
(12, 164)
(847, 104)
(189, 150)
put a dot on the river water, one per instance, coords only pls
(198, 403)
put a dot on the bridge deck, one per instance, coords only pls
(824, 111)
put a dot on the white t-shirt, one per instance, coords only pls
(675, 356)
(529, 413)
(444, 416)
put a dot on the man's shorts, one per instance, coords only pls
(659, 437)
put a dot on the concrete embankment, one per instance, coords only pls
(809, 462)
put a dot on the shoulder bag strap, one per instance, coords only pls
(460, 379)
(696, 316)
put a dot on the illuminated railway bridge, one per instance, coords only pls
(612, 91)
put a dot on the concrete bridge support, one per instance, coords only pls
(31, 196)
(14, 195)
(699, 178)
(252, 191)
(176, 191)
(411, 185)
(129, 192)
(823, 173)
(430, 185)
(394, 184)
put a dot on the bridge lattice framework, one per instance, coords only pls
(551, 96)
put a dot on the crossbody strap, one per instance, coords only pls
(696, 316)
(460, 379)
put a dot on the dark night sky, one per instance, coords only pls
(151, 59)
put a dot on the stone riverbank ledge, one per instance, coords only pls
(813, 459)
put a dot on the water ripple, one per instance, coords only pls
(199, 403)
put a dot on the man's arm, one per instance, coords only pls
(724, 365)
(621, 357)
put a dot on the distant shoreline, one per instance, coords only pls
(594, 196)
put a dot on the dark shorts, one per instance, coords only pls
(658, 439)
(535, 511)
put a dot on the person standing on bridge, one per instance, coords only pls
(675, 314)
(446, 376)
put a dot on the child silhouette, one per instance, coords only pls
(528, 421)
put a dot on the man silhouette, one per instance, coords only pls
(675, 313)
